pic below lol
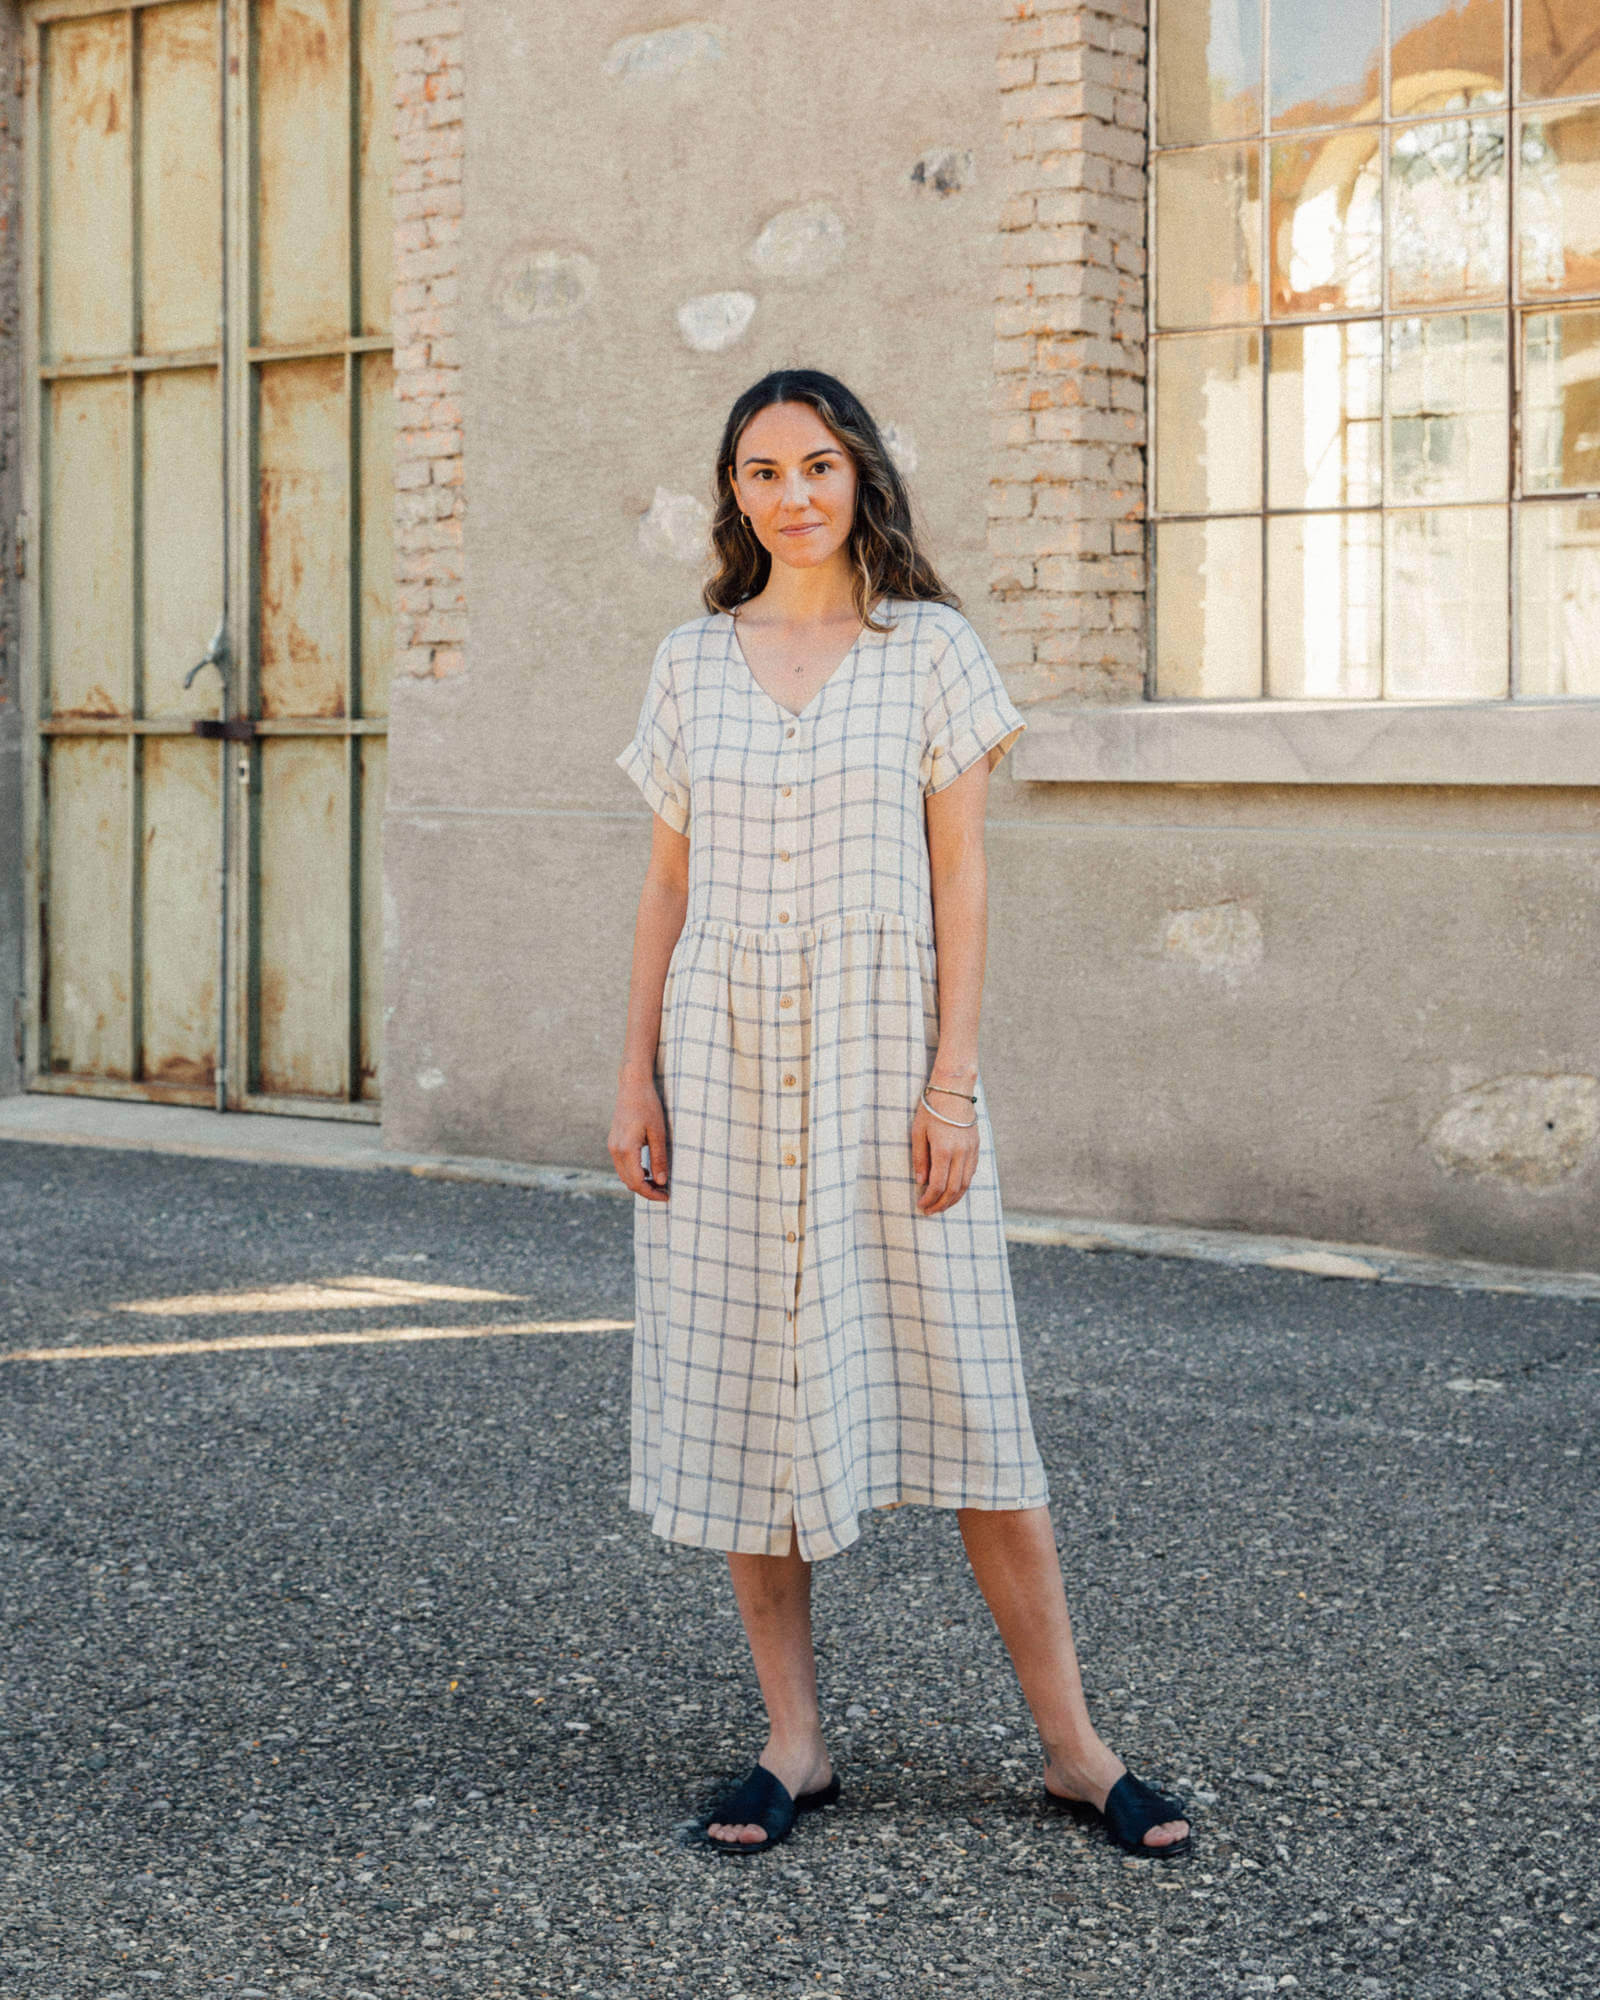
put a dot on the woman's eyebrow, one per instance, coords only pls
(822, 451)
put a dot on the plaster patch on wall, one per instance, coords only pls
(803, 242)
(715, 320)
(901, 447)
(541, 287)
(1532, 1131)
(942, 170)
(677, 526)
(1220, 937)
(431, 1079)
(687, 50)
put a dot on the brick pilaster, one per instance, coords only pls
(1067, 490)
(430, 604)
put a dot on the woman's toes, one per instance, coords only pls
(1168, 1831)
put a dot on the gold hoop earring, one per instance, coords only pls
(746, 520)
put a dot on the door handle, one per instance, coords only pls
(215, 655)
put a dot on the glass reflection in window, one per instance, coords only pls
(1559, 598)
(1208, 83)
(1558, 201)
(1208, 423)
(1324, 61)
(1327, 225)
(1208, 590)
(1324, 414)
(1325, 606)
(1208, 223)
(1560, 48)
(1446, 55)
(1447, 211)
(1448, 407)
(1561, 401)
(1445, 604)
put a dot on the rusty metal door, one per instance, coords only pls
(207, 629)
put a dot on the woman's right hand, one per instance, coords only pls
(639, 1121)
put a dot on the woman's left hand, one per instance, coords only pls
(943, 1157)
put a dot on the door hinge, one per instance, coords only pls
(20, 545)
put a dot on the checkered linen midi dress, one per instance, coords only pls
(807, 1343)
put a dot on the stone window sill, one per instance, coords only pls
(1313, 743)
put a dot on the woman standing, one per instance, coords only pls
(825, 1318)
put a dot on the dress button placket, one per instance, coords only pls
(781, 880)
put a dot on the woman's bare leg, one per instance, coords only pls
(774, 1598)
(1013, 1556)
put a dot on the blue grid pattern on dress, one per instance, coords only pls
(808, 1344)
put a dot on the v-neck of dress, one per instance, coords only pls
(794, 714)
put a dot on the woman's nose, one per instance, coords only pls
(796, 491)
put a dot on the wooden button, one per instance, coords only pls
(789, 1082)
(786, 1001)
(783, 916)
(785, 790)
(788, 732)
(783, 853)
(788, 1159)
(790, 1237)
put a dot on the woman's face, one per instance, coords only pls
(797, 484)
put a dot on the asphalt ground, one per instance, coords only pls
(343, 1670)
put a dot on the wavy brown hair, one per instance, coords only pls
(886, 558)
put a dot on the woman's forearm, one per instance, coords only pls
(960, 924)
(663, 902)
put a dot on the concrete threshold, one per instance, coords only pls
(263, 1140)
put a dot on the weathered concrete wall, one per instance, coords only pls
(651, 220)
(11, 910)
(1364, 1013)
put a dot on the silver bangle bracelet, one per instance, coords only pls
(960, 1124)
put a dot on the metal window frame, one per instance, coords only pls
(1516, 307)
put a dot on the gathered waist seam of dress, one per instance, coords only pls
(762, 935)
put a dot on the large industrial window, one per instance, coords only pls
(1376, 349)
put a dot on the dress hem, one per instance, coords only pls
(727, 1538)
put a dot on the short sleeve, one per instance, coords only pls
(655, 759)
(966, 711)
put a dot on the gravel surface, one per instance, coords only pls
(345, 1671)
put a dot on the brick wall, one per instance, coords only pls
(431, 612)
(1066, 533)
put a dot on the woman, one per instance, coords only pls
(825, 1317)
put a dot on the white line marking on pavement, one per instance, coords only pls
(329, 1295)
(345, 1337)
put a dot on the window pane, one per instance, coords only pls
(1208, 423)
(1561, 401)
(1444, 601)
(1447, 211)
(1327, 225)
(1324, 61)
(1208, 224)
(1559, 598)
(1324, 414)
(1208, 597)
(1324, 606)
(1208, 81)
(1558, 202)
(1446, 55)
(1448, 407)
(1560, 50)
